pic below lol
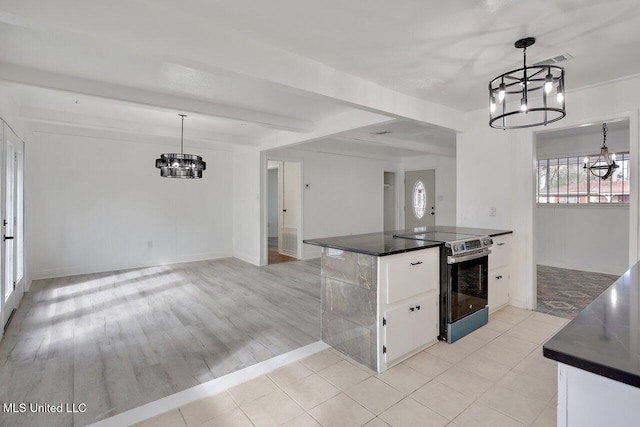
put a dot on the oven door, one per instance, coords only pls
(467, 286)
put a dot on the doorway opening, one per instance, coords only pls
(389, 210)
(284, 207)
(582, 221)
(420, 198)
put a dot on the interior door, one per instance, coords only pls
(419, 198)
(291, 207)
(9, 299)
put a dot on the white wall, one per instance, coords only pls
(496, 168)
(99, 205)
(248, 210)
(272, 202)
(584, 237)
(445, 168)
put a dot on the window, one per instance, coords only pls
(419, 199)
(565, 181)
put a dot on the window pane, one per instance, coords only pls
(552, 181)
(583, 185)
(563, 187)
(572, 180)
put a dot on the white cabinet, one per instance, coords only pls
(498, 288)
(408, 304)
(499, 272)
(410, 326)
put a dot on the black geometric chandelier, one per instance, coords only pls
(523, 97)
(180, 165)
(605, 164)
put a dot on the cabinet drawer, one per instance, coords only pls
(500, 252)
(412, 273)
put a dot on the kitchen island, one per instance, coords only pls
(380, 293)
(599, 359)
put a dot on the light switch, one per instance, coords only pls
(492, 211)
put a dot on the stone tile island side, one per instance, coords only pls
(349, 304)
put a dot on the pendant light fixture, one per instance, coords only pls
(180, 165)
(604, 166)
(525, 97)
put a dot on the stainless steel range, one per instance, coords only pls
(464, 260)
(464, 286)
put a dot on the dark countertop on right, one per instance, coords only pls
(605, 337)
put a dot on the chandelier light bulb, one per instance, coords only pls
(586, 161)
(560, 92)
(548, 83)
(502, 90)
(523, 105)
(613, 157)
(493, 105)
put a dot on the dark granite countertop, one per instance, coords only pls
(605, 337)
(381, 244)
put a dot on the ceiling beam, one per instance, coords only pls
(41, 115)
(442, 150)
(336, 124)
(119, 136)
(162, 101)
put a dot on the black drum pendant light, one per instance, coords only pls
(180, 165)
(523, 97)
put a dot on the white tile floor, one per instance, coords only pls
(495, 377)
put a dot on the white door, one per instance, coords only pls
(10, 293)
(419, 198)
(291, 205)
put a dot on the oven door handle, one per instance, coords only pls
(455, 260)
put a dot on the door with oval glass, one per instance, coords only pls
(419, 198)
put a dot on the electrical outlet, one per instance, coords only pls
(492, 211)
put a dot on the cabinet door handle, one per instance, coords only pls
(500, 244)
(499, 277)
(417, 307)
(416, 263)
(412, 308)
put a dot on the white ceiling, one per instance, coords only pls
(252, 71)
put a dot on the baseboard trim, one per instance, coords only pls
(217, 385)
(74, 271)
(247, 258)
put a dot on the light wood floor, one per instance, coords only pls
(118, 340)
(274, 257)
